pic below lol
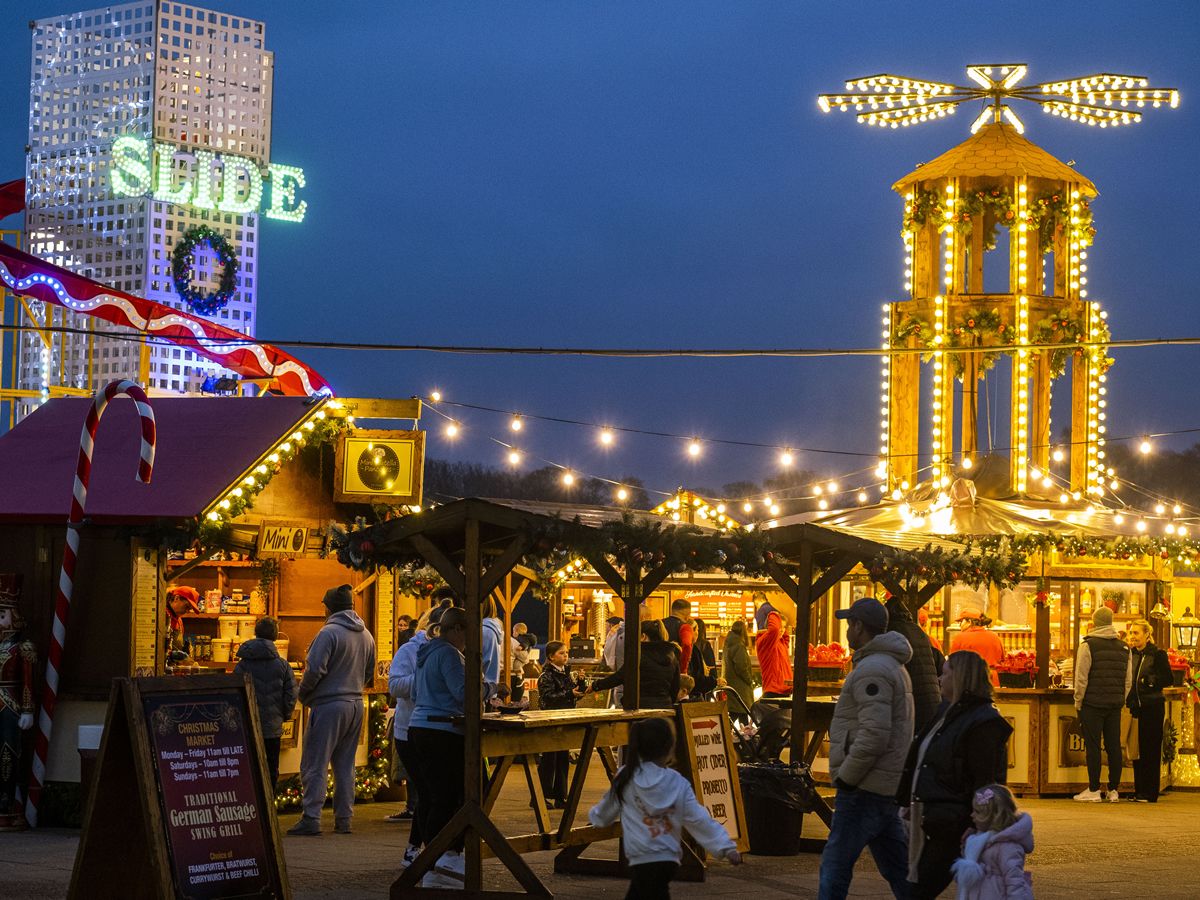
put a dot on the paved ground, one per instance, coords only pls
(1083, 850)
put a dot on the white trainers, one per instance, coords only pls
(1086, 796)
(410, 855)
(1113, 797)
(452, 865)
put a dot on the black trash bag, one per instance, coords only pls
(790, 786)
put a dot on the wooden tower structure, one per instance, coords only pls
(1034, 314)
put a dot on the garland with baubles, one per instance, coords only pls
(1045, 214)
(183, 259)
(1062, 327)
(1000, 565)
(1123, 548)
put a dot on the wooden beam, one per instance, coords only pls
(374, 408)
(433, 555)
(502, 565)
(205, 554)
(607, 572)
(835, 573)
(631, 694)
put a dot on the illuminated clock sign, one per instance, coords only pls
(205, 179)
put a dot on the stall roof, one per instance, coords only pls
(204, 444)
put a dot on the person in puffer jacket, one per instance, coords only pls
(992, 865)
(868, 741)
(655, 805)
(923, 670)
(274, 687)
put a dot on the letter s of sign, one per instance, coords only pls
(131, 166)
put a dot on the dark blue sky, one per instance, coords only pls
(658, 174)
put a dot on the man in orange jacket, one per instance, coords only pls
(975, 636)
(771, 647)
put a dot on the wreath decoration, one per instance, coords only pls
(183, 257)
(975, 206)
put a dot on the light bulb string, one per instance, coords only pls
(777, 493)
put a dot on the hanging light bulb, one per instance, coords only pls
(622, 494)
(1118, 519)
(786, 458)
(748, 507)
(693, 448)
(818, 490)
(1059, 456)
(832, 487)
(1145, 446)
(568, 479)
(1176, 509)
(516, 424)
(774, 509)
(966, 462)
(823, 503)
(1141, 525)
(862, 496)
(435, 396)
(1160, 508)
(514, 457)
(451, 429)
(607, 437)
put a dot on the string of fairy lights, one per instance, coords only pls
(837, 492)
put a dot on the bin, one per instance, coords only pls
(775, 797)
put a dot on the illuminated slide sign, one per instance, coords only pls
(218, 181)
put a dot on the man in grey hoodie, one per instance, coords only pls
(868, 742)
(339, 666)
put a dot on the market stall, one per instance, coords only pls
(235, 516)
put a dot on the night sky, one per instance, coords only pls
(658, 175)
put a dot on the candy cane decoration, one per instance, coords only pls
(66, 579)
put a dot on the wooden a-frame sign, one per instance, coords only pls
(710, 761)
(179, 806)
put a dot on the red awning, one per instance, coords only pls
(204, 444)
(27, 275)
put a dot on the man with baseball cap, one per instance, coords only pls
(339, 666)
(976, 638)
(868, 741)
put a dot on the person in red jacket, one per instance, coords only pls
(771, 647)
(975, 637)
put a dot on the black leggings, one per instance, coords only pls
(440, 763)
(409, 759)
(651, 881)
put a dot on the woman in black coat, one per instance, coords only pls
(964, 748)
(1151, 673)
(658, 670)
(702, 665)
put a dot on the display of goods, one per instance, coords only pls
(826, 662)
(1176, 659)
(1022, 679)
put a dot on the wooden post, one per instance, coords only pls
(473, 699)
(1080, 372)
(1041, 645)
(970, 404)
(1039, 412)
(631, 696)
(803, 633)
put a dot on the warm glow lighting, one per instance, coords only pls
(1145, 446)
(435, 396)
(862, 496)
(786, 458)
(1058, 456)
(832, 487)
(622, 494)
(1141, 525)
(1160, 508)
(568, 479)
(748, 507)
(607, 437)
(514, 457)
(516, 424)
(966, 462)
(451, 429)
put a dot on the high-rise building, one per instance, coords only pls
(193, 87)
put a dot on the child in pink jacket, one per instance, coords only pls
(992, 865)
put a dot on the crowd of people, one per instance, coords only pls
(917, 758)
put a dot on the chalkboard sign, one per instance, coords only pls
(180, 785)
(706, 741)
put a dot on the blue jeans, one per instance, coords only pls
(862, 819)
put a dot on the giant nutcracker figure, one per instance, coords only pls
(17, 658)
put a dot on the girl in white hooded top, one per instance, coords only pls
(992, 865)
(655, 804)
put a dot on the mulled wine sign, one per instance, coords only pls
(190, 750)
(705, 733)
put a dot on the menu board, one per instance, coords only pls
(712, 761)
(144, 618)
(179, 796)
(215, 832)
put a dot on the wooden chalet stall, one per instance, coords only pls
(141, 540)
(1046, 750)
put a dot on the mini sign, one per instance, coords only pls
(205, 179)
(705, 731)
(281, 539)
